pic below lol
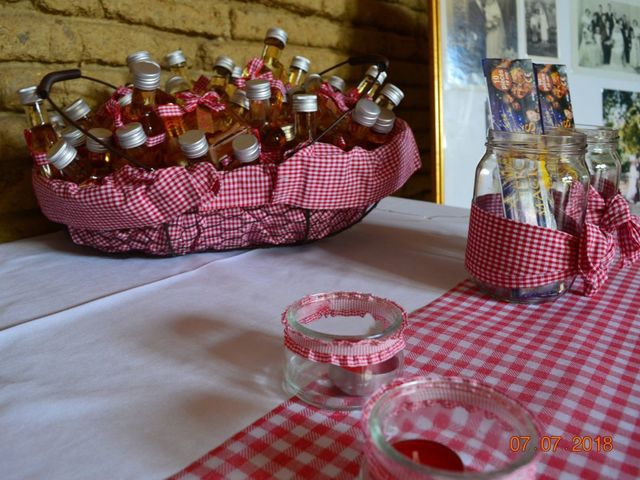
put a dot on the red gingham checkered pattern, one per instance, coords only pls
(156, 140)
(572, 363)
(101, 215)
(338, 98)
(323, 176)
(511, 254)
(211, 100)
(253, 67)
(111, 108)
(346, 353)
(200, 85)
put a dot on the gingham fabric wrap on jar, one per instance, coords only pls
(345, 353)
(380, 467)
(509, 254)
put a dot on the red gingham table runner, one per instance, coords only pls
(573, 363)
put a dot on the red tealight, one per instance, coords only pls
(430, 454)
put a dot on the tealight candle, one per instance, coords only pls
(430, 454)
(363, 381)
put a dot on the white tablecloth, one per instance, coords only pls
(130, 367)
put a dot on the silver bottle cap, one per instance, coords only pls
(366, 112)
(384, 123)
(175, 58)
(125, 99)
(258, 90)
(225, 62)
(337, 83)
(146, 75)
(73, 136)
(176, 84)
(373, 72)
(393, 93)
(303, 63)
(193, 144)
(278, 34)
(239, 97)
(28, 95)
(131, 135)
(237, 72)
(305, 102)
(55, 118)
(61, 154)
(246, 148)
(136, 57)
(101, 133)
(77, 109)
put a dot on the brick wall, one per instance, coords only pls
(39, 36)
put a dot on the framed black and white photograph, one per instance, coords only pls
(477, 29)
(621, 110)
(541, 28)
(607, 36)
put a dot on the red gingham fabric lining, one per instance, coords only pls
(572, 363)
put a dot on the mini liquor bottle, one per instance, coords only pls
(41, 135)
(305, 107)
(239, 105)
(177, 64)
(259, 94)
(298, 70)
(77, 139)
(132, 139)
(140, 56)
(389, 97)
(176, 84)
(100, 157)
(70, 165)
(371, 82)
(379, 133)
(235, 75)
(274, 42)
(56, 121)
(246, 151)
(221, 75)
(364, 116)
(194, 147)
(312, 83)
(337, 83)
(80, 113)
(146, 79)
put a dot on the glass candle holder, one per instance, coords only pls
(602, 158)
(341, 347)
(540, 180)
(446, 428)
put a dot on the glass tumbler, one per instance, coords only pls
(446, 428)
(539, 180)
(340, 347)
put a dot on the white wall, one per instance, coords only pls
(464, 109)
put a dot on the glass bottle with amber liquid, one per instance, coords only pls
(146, 80)
(246, 151)
(239, 105)
(100, 157)
(221, 75)
(371, 82)
(363, 117)
(379, 133)
(260, 115)
(77, 139)
(80, 112)
(70, 165)
(194, 147)
(41, 136)
(176, 84)
(389, 97)
(132, 140)
(274, 42)
(305, 107)
(298, 70)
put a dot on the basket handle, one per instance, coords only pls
(44, 88)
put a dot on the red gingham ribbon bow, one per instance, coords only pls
(327, 91)
(211, 100)
(112, 108)
(511, 254)
(613, 216)
(253, 67)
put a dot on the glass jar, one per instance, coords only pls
(446, 428)
(341, 347)
(602, 158)
(539, 180)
